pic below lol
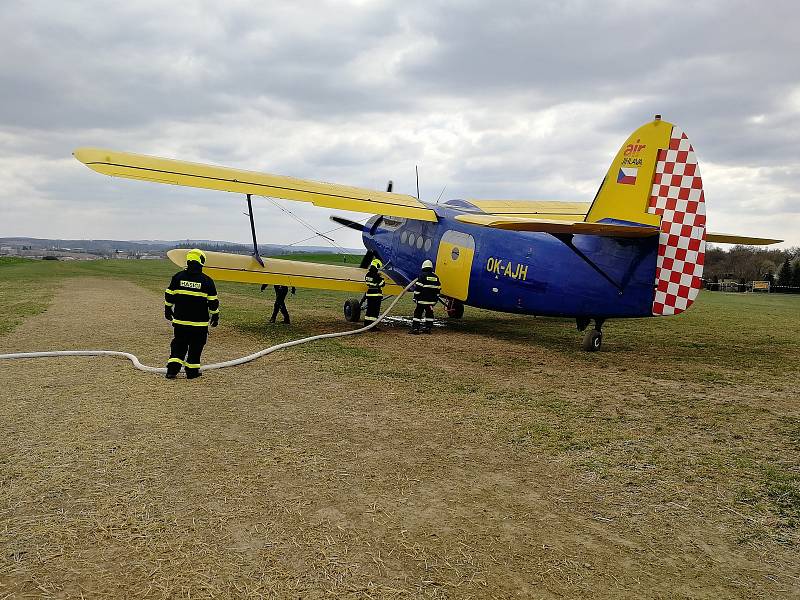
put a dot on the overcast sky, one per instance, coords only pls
(491, 99)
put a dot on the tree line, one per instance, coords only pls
(750, 263)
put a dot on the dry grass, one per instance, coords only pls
(466, 464)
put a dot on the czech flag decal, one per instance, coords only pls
(627, 175)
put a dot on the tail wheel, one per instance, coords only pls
(455, 308)
(352, 310)
(592, 340)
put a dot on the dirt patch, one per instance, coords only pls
(318, 472)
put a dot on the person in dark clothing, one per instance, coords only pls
(280, 302)
(375, 283)
(191, 304)
(426, 294)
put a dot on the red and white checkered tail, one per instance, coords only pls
(677, 196)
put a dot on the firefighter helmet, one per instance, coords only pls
(376, 262)
(427, 265)
(196, 255)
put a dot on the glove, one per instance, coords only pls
(215, 319)
(168, 313)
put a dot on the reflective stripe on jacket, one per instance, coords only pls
(193, 298)
(374, 283)
(427, 288)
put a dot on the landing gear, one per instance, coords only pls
(455, 308)
(352, 310)
(593, 338)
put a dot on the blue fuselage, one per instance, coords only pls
(523, 272)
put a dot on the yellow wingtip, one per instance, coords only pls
(95, 158)
(178, 256)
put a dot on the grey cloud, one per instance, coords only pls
(140, 66)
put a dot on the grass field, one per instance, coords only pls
(491, 459)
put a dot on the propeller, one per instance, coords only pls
(348, 223)
(367, 259)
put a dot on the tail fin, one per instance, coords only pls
(655, 180)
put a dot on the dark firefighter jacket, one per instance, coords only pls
(427, 288)
(374, 283)
(192, 296)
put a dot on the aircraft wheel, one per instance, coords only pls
(592, 340)
(455, 309)
(352, 310)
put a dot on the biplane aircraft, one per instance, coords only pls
(636, 250)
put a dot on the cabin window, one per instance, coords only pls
(392, 223)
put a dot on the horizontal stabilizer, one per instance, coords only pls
(178, 172)
(222, 266)
(556, 226)
(727, 238)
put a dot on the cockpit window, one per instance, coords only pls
(464, 205)
(392, 223)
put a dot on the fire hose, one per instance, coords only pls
(220, 365)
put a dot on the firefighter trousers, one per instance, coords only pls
(425, 322)
(373, 309)
(186, 348)
(280, 304)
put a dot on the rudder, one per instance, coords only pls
(677, 196)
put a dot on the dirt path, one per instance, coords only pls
(287, 478)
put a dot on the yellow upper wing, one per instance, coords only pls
(547, 209)
(177, 172)
(222, 266)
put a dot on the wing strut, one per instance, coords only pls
(566, 239)
(253, 230)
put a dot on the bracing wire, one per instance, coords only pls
(365, 219)
(305, 224)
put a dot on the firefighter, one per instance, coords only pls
(375, 283)
(191, 304)
(426, 294)
(280, 302)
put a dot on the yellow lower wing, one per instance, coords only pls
(221, 266)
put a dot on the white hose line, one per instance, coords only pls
(220, 365)
(127, 355)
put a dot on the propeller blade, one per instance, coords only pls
(348, 223)
(374, 227)
(367, 259)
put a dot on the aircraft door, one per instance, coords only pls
(454, 263)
